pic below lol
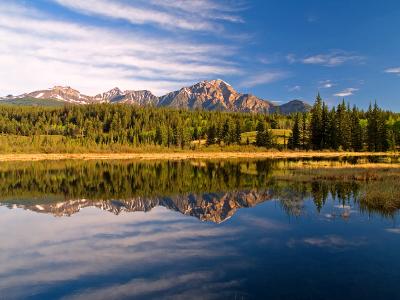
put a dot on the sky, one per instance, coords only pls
(278, 50)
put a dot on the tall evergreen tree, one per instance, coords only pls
(356, 131)
(260, 135)
(211, 135)
(295, 138)
(158, 136)
(377, 139)
(343, 126)
(304, 132)
(325, 127)
(316, 124)
(238, 133)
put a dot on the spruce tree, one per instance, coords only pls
(211, 135)
(260, 135)
(325, 127)
(238, 133)
(304, 132)
(332, 129)
(316, 124)
(295, 137)
(225, 133)
(343, 126)
(356, 131)
(158, 136)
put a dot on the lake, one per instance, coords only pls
(239, 229)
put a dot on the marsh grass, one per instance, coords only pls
(381, 196)
(378, 183)
(345, 174)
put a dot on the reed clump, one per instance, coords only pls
(381, 196)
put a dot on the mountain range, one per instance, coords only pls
(207, 95)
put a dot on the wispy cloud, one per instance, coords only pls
(346, 92)
(186, 15)
(393, 71)
(295, 88)
(291, 58)
(312, 19)
(92, 58)
(331, 59)
(263, 78)
(207, 9)
(326, 84)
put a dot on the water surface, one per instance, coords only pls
(183, 230)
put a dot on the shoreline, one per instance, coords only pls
(184, 155)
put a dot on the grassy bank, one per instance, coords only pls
(164, 154)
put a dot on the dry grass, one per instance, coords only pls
(184, 155)
(381, 196)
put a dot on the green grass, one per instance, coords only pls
(381, 196)
(279, 134)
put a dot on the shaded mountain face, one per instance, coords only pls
(293, 106)
(115, 95)
(212, 207)
(206, 95)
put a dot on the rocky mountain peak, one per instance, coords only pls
(208, 95)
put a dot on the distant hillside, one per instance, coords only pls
(207, 95)
(293, 107)
(28, 101)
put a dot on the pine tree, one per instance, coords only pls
(295, 138)
(343, 126)
(325, 127)
(316, 124)
(211, 135)
(356, 131)
(238, 133)
(304, 132)
(225, 133)
(260, 135)
(158, 136)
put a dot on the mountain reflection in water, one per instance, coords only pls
(207, 207)
(209, 191)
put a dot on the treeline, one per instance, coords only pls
(123, 127)
(134, 126)
(345, 128)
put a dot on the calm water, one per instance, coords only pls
(189, 230)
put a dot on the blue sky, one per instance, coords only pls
(276, 49)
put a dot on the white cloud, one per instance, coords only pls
(38, 51)
(393, 70)
(263, 78)
(186, 15)
(346, 92)
(333, 59)
(291, 58)
(207, 9)
(295, 88)
(326, 84)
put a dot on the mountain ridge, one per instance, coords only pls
(207, 95)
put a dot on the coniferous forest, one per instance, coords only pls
(124, 127)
